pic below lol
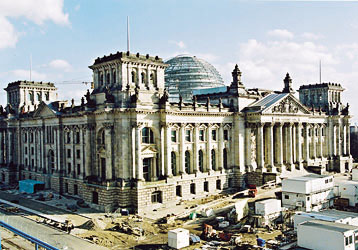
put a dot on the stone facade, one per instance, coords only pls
(126, 145)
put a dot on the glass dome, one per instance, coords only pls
(186, 73)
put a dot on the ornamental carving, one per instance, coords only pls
(285, 106)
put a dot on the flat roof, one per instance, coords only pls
(330, 226)
(267, 201)
(329, 214)
(308, 177)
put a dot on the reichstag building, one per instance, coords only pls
(151, 133)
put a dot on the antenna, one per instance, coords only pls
(128, 41)
(30, 66)
(320, 72)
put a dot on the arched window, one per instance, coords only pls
(103, 137)
(133, 76)
(187, 162)
(201, 161)
(225, 158)
(173, 163)
(147, 135)
(68, 137)
(100, 78)
(51, 161)
(143, 77)
(31, 137)
(108, 78)
(152, 78)
(39, 98)
(114, 76)
(213, 159)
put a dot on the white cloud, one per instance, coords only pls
(280, 34)
(37, 11)
(8, 35)
(25, 75)
(180, 44)
(311, 36)
(60, 64)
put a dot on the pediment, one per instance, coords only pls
(149, 151)
(288, 105)
(44, 110)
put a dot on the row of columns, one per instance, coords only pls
(279, 144)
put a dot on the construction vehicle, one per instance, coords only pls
(252, 190)
(208, 232)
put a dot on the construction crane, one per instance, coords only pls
(76, 82)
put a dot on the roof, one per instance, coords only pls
(330, 214)
(268, 201)
(266, 102)
(322, 85)
(216, 90)
(330, 226)
(308, 177)
(123, 55)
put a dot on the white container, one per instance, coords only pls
(355, 174)
(267, 207)
(178, 238)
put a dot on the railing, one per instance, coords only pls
(34, 240)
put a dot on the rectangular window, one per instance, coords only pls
(323, 132)
(178, 191)
(350, 239)
(201, 135)
(32, 151)
(347, 241)
(213, 135)
(26, 150)
(287, 197)
(187, 135)
(157, 197)
(192, 188)
(206, 186)
(68, 168)
(218, 184)
(78, 154)
(78, 169)
(68, 153)
(78, 137)
(226, 135)
(174, 135)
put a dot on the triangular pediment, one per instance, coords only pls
(149, 151)
(44, 110)
(287, 105)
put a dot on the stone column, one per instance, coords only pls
(289, 145)
(299, 145)
(293, 143)
(219, 158)
(334, 140)
(208, 148)
(344, 142)
(314, 144)
(59, 149)
(279, 145)
(168, 140)
(196, 148)
(348, 141)
(247, 146)
(10, 145)
(88, 161)
(339, 145)
(269, 144)
(82, 169)
(133, 142)
(161, 143)
(320, 141)
(260, 147)
(138, 154)
(182, 149)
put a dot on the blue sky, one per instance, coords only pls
(266, 39)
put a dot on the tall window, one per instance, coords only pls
(225, 158)
(213, 135)
(201, 161)
(174, 135)
(101, 78)
(146, 169)
(133, 76)
(103, 137)
(31, 137)
(68, 137)
(77, 137)
(187, 135)
(114, 76)
(187, 162)
(201, 135)
(174, 162)
(226, 135)
(147, 135)
(213, 159)
(107, 78)
(143, 77)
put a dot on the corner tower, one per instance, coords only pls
(25, 96)
(128, 80)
